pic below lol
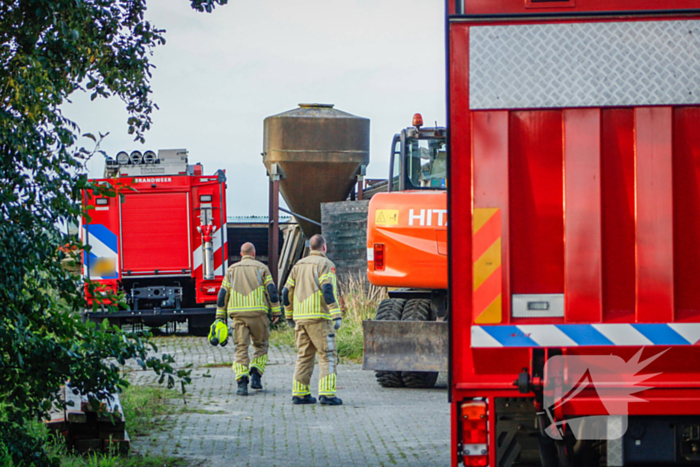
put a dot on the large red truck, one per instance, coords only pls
(161, 241)
(574, 227)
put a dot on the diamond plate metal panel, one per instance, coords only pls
(584, 64)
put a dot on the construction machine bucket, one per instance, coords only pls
(405, 345)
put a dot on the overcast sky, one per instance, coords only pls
(219, 75)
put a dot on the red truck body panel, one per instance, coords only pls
(157, 238)
(593, 199)
(153, 231)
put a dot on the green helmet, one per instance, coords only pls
(218, 333)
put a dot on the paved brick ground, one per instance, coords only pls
(374, 427)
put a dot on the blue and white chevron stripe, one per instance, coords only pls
(103, 245)
(585, 335)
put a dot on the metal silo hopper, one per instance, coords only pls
(318, 151)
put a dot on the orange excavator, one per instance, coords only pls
(406, 344)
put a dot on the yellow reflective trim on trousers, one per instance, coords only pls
(240, 370)
(326, 386)
(300, 389)
(259, 363)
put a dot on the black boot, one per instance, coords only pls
(330, 400)
(255, 376)
(307, 399)
(242, 386)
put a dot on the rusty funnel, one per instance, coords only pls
(319, 150)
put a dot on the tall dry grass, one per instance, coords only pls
(359, 300)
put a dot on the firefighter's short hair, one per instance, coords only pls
(317, 241)
(248, 249)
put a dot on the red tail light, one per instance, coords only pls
(474, 440)
(480, 461)
(378, 256)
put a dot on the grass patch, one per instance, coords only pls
(146, 407)
(282, 335)
(217, 365)
(205, 411)
(359, 300)
(113, 460)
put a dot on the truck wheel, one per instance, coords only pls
(390, 309)
(199, 325)
(418, 310)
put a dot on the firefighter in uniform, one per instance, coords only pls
(310, 298)
(247, 292)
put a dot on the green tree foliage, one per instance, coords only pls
(50, 49)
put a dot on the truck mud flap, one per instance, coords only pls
(405, 345)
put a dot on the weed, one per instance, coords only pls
(56, 447)
(217, 365)
(146, 408)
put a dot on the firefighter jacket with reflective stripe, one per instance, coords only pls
(305, 284)
(246, 284)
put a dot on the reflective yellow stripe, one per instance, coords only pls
(334, 283)
(255, 301)
(268, 280)
(325, 276)
(487, 307)
(310, 308)
(336, 314)
(240, 370)
(335, 288)
(300, 389)
(326, 386)
(259, 363)
(314, 316)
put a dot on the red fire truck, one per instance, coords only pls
(574, 219)
(162, 241)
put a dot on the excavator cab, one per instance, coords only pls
(419, 160)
